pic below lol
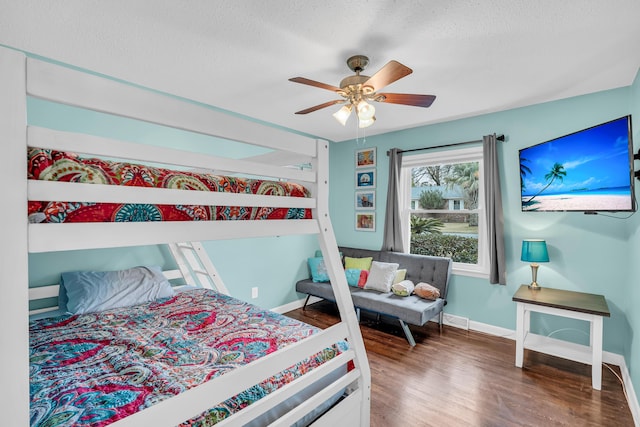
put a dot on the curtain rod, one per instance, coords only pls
(499, 138)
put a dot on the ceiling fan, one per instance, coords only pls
(356, 90)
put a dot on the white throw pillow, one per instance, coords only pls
(381, 276)
(403, 289)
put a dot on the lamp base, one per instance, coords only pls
(534, 276)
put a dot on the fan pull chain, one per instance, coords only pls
(364, 135)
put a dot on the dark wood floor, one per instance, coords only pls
(465, 378)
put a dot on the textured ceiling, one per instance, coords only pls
(477, 56)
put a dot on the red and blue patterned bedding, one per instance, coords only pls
(63, 166)
(93, 369)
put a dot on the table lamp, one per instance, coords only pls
(534, 251)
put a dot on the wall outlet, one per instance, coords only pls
(254, 292)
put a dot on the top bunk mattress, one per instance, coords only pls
(52, 165)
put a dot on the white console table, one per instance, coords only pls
(576, 305)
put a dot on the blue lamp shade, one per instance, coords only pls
(534, 250)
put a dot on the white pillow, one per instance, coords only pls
(381, 276)
(403, 289)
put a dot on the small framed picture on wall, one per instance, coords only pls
(366, 200)
(366, 158)
(365, 178)
(365, 221)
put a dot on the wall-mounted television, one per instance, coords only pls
(590, 171)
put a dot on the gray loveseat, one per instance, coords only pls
(412, 309)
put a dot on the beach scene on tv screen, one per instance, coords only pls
(584, 171)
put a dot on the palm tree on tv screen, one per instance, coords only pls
(556, 172)
(524, 170)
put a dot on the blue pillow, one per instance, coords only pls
(92, 291)
(353, 276)
(318, 270)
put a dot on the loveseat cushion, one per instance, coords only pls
(411, 309)
(322, 290)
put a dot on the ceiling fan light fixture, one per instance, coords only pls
(358, 91)
(365, 110)
(365, 123)
(342, 115)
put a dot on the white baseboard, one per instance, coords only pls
(294, 304)
(492, 330)
(631, 394)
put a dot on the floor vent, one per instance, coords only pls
(456, 321)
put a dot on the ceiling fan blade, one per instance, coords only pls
(408, 99)
(305, 81)
(388, 74)
(321, 106)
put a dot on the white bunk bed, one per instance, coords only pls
(21, 77)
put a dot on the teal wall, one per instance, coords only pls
(589, 253)
(271, 264)
(632, 347)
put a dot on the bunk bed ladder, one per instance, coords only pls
(196, 267)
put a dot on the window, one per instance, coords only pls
(442, 209)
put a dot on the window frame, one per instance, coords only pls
(451, 156)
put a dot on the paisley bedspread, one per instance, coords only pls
(63, 166)
(93, 369)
